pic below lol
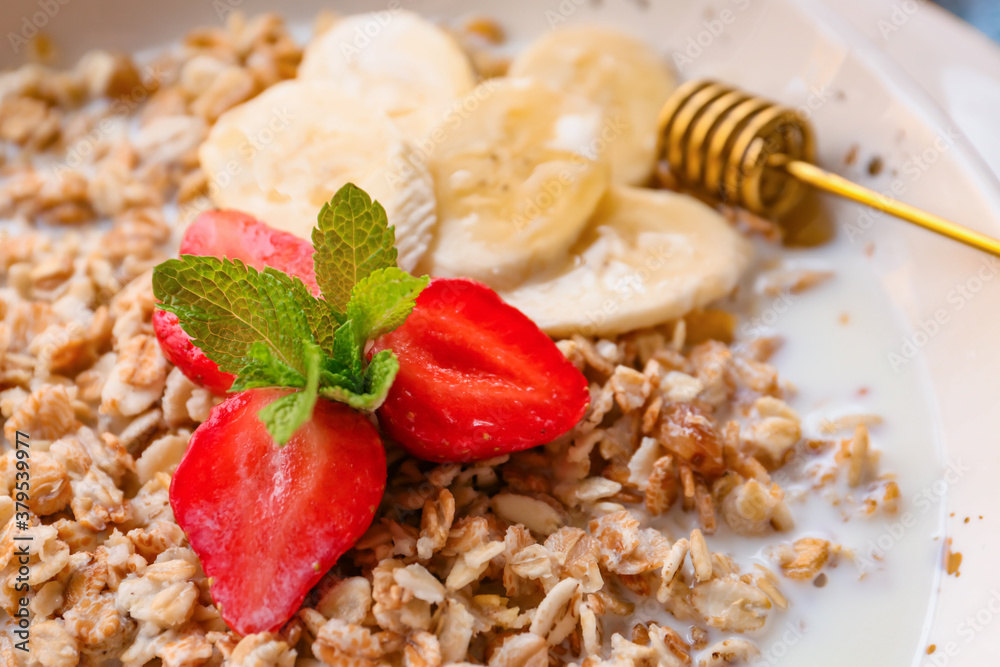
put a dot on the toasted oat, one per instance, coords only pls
(848, 423)
(532, 513)
(523, 650)
(858, 456)
(349, 600)
(52, 645)
(46, 414)
(642, 463)
(730, 652)
(793, 281)
(671, 565)
(731, 604)
(435, 523)
(810, 555)
(662, 489)
(700, 557)
(631, 388)
(691, 435)
(750, 506)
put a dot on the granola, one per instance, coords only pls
(541, 557)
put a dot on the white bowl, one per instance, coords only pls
(923, 323)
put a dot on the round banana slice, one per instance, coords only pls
(513, 187)
(647, 256)
(618, 72)
(396, 62)
(283, 154)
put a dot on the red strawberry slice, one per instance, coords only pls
(476, 378)
(237, 236)
(181, 352)
(268, 522)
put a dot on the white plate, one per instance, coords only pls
(940, 406)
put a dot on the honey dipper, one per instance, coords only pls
(730, 145)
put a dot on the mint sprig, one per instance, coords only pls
(352, 240)
(267, 329)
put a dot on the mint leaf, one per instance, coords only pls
(382, 301)
(323, 321)
(227, 306)
(378, 378)
(347, 361)
(352, 240)
(283, 417)
(266, 371)
(268, 329)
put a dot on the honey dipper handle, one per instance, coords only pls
(832, 183)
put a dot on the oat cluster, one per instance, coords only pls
(594, 550)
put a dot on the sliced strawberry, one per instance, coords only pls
(240, 236)
(181, 352)
(237, 236)
(265, 521)
(476, 378)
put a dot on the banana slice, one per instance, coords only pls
(396, 62)
(283, 154)
(513, 187)
(647, 256)
(618, 72)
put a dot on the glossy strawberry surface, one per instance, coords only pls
(233, 235)
(266, 521)
(476, 378)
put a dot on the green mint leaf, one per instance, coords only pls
(323, 321)
(378, 378)
(347, 361)
(266, 371)
(382, 301)
(227, 306)
(353, 239)
(284, 416)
